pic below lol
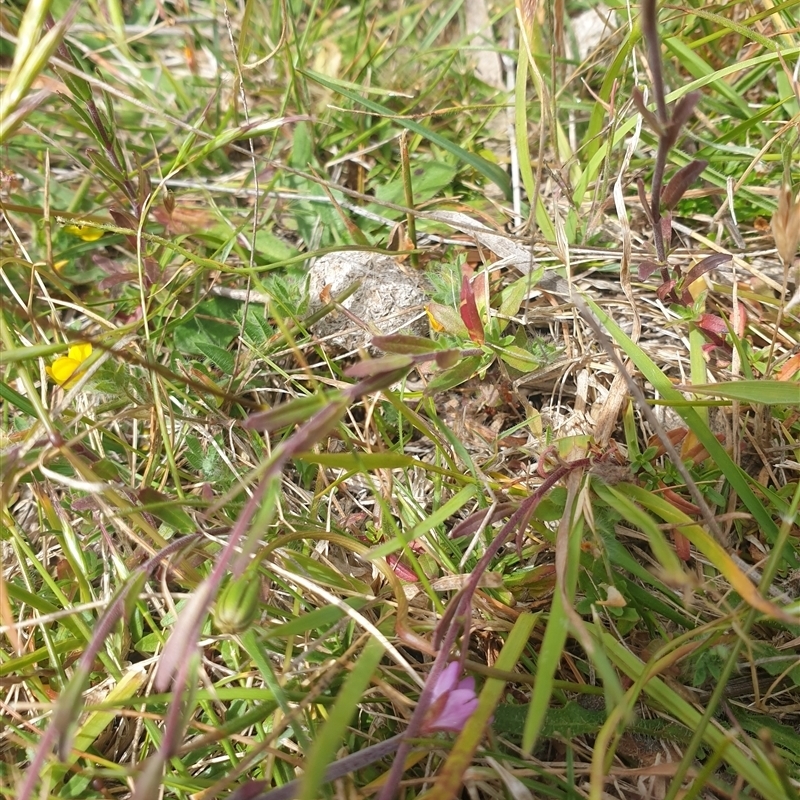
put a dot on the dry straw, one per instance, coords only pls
(786, 225)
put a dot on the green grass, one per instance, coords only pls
(233, 553)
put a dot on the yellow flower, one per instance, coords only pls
(64, 370)
(86, 232)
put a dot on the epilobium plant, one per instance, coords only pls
(452, 703)
(666, 122)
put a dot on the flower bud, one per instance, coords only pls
(237, 605)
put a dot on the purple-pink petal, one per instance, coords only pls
(446, 681)
(457, 710)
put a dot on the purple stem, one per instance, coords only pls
(84, 666)
(344, 766)
(461, 607)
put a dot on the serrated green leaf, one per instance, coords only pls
(223, 359)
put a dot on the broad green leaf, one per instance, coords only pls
(211, 322)
(519, 358)
(447, 319)
(427, 180)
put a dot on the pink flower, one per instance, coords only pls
(452, 702)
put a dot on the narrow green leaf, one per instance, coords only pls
(330, 737)
(167, 509)
(443, 513)
(458, 762)
(619, 499)
(760, 392)
(551, 653)
(16, 399)
(33, 351)
(653, 373)
(486, 168)
(449, 378)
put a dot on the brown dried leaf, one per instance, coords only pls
(786, 225)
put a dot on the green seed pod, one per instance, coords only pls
(238, 603)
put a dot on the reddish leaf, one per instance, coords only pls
(646, 269)
(666, 291)
(649, 117)
(400, 569)
(742, 321)
(370, 367)
(682, 545)
(789, 369)
(666, 228)
(474, 521)
(115, 280)
(184, 219)
(680, 116)
(675, 435)
(316, 429)
(400, 343)
(643, 200)
(680, 182)
(374, 383)
(469, 312)
(123, 219)
(711, 323)
(705, 265)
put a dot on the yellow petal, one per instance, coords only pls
(63, 369)
(80, 352)
(436, 326)
(86, 232)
